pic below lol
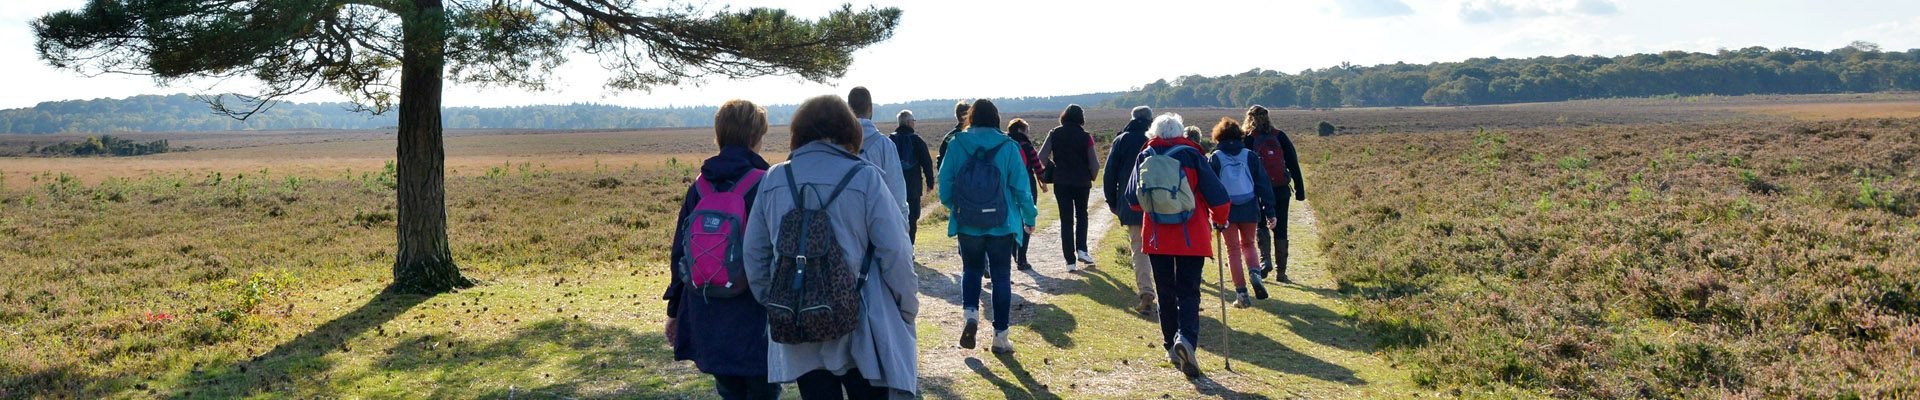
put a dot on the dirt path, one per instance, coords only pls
(1076, 338)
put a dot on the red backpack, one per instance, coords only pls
(1273, 155)
(713, 263)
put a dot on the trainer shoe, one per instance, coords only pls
(1084, 257)
(1072, 268)
(1243, 301)
(966, 332)
(1001, 344)
(1183, 357)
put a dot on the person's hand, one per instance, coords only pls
(1029, 229)
(1219, 227)
(1043, 188)
(672, 334)
(1300, 194)
(1272, 222)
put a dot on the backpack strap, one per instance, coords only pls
(992, 150)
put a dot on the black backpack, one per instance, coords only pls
(815, 296)
(980, 201)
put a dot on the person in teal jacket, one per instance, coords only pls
(984, 247)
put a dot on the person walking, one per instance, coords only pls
(1069, 165)
(710, 319)
(877, 148)
(918, 167)
(828, 203)
(1251, 196)
(991, 212)
(1180, 196)
(959, 125)
(1017, 130)
(1120, 163)
(1282, 165)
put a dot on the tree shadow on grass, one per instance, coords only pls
(554, 358)
(302, 358)
(1027, 387)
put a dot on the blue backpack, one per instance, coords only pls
(981, 200)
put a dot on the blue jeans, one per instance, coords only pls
(1178, 278)
(977, 253)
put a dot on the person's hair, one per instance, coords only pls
(861, 101)
(1073, 116)
(739, 123)
(1142, 113)
(1167, 126)
(1193, 133)
(905, 117)
(826, 118)
(1257, 120)
(1227, 130)
(1017, 124)
(960, 109)
(983, 114)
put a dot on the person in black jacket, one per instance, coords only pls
(917, 164)
(960, 115)
(1068, 160)
(1120, 163)
(1273, 241)
(724, 337)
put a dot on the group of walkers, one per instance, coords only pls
(803, 271)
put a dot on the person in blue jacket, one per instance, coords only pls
(987, 247)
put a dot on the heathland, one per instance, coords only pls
(1679, 247)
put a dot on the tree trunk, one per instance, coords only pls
(424, 263)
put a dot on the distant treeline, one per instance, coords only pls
(103, 145)
(1860, 67)
(184, 113)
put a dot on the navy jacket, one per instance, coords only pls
(916, 163)
(1120, 164)
(1262, 206)
(721, 336)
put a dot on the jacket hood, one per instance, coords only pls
(731, 163)
(1164, 143)
(903, 129)
(1230, 146)
(1020, 137)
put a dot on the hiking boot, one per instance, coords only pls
(1260, 292)
(1000, 343)
(966, 332)
(1284, 279)
(1183, 357)
(1243, 301)
(1024, 266)
(1146, 304)
(1084, 257)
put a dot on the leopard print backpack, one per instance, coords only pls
(815, 296)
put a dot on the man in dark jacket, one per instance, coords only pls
(1120, 165)
(917, 166)
(959, 115)
(1273, 242)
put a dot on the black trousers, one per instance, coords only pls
(1020, 255)
(1273, 242)
(745, 387)
(822, 384)
(1073, 219)
(1178, 278)
(913, 215)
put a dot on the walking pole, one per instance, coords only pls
(1226, 351)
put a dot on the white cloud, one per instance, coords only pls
(1487, 11)
(1373, 8)
(1892, 35)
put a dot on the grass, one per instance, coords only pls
(1762, 259)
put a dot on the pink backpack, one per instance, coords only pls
(712, 263)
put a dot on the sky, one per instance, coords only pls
(1007, 48)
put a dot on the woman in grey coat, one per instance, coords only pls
(879, 358)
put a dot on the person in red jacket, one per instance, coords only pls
(1178, 251)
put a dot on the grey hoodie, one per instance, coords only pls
(884, 346)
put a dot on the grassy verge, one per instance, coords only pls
(1766, 259)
